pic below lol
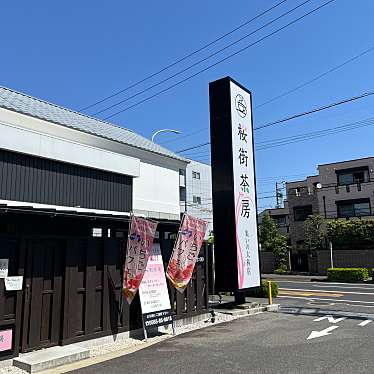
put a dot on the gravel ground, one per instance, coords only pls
(11, 370)
(131, 342)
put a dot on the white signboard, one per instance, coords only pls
(4, 265)
(244, 188)
(153, 290)
(13, 283)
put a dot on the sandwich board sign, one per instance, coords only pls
(233, 186)
(154, 294)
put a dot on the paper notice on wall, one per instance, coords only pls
(6, 339)
(13, 283)
(4, 265)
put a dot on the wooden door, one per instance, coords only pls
(43, 295)
(10, 300)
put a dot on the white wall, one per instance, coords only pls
(156, 177)
(18, 139)
(157, 190)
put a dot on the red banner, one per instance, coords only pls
(186, 250)
(139, 248)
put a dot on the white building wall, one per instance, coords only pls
(199, 188)
(156, 177)
(156, 192)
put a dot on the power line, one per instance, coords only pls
(315, 110)
(317, 134)
(220, 61)
(193, 147)
(201, 60)
(184, 57)
(298, 115)
(313, 135)
(315, 78)
(289, 91)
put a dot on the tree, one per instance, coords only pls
(314, 231)
(351, 233)
(272, 240)
(268, 231)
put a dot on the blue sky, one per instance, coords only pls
(75, 53)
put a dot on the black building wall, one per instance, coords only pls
(37, 180)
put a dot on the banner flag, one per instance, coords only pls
(139, 247)
(186, 250)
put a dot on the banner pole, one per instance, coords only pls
(213, 275)
(144, 331)
(123, 261)
(173, 327)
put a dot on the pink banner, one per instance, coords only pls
(139, 248)
(186, 250)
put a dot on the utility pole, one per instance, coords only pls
(331, 256)
(278, 195)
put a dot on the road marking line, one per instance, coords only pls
(340, 300)
(326, 291)
(345, 288)
(364, 323)
(313, 283)
(285, 291)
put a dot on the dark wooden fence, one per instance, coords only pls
(72, 287)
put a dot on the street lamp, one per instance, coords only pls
(164, 130)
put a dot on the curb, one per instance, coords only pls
(250, 311)
(324, 312)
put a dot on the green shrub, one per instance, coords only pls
(347, 274)
(282, 269)
(262, 291)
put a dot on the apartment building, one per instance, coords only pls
(340, 190)
(280, 217)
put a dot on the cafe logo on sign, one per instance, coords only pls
(241, 105)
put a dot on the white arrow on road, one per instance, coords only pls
(318, 334)
(330, 318)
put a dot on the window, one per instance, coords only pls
(354, 208)
(182, 193)
(298, 191)
(301, 213)
(195, 175)
(196, 199)
(352, 176)
(279, 220)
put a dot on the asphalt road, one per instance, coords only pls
(353, 297)
(265, 343)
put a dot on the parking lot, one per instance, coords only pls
(264, 343)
